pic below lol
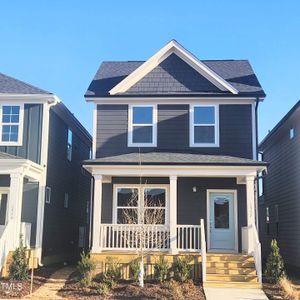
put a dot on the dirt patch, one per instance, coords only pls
(131, 291)
(18, 289)
(273, 291)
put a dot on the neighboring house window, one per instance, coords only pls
(277, 219)
(66, 200)
(142, 127)
(138, 205)
(204, 126)
(11, 124)
(268, 220)
(48, 195)
(69, 145)
(292, 133)
(87, 211)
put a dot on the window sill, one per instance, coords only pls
(142, 145)
(204, 145)
(10, 144)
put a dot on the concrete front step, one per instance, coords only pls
(231, 271)
(231, 278)
(238, 285)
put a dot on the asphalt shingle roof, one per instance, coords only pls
(9, 85)
(171, 158)
(4, 155)
(174, 77)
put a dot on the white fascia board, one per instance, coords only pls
(171, 100)
(162, 54)
(175, 170)
(30, 98)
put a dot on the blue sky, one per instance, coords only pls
(58, 45)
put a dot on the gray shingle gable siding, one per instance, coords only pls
(9, 85)
(238, 73)
(173, 75)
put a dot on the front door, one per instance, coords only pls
(222, 221)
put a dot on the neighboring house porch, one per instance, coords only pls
(21, 204)
(205, 199)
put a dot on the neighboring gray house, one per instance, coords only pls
(280, 189)
(43, 191)
(181, 132)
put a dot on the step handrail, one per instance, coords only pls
(203, 250)
(257, 253)
(6, 243)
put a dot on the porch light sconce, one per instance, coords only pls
(194, 189)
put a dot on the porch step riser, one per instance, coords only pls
(229, 265)
(231, 278)
(231, 271)
(239, 285)
(230, 259)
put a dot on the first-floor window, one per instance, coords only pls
(66, 200)
(141, 205)
(48, 195)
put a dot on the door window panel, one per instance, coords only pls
(221, 209)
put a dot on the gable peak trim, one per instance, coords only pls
(171, 47)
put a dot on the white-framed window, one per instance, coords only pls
(48, 195)
(69, 144)
(11, 120)
(142, 126)
(66, 200)
(204, 126)
(137, 204)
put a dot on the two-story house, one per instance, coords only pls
(178, 134)
(44, 193)
(279, 203)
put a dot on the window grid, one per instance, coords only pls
(194, 124)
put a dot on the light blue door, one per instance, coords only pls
(222, 221)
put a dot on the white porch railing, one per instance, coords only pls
(251, 245)
(188, 237)
(150, 237)
(6, 242)
(134, 236)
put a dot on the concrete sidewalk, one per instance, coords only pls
(213, 293)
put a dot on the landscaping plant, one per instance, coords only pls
(112, 274)
(275, 265)
(161, 270)
(182, 268)
(18, 269)
(85, 267)
(134, 269)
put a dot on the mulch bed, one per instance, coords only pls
(131, 291)
(18, 289)
(273, 291)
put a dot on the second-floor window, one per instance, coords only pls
(11, 124)
(204, 126)
(142, 126)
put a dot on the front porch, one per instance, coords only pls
(208, 209)
(20, 207)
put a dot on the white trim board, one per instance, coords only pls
(235, 209)
(172, 47)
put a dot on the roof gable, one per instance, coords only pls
(173, 75)
(163, 54)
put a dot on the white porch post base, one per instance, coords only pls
(96, 245)
(173, 215)
(250, 211)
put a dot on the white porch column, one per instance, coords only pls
(250, 209)
(15, 206)
(97, 207)
(173, 214)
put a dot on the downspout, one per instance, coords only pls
(256, 152)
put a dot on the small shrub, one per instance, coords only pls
(134, 269)
(161, 270)
(85, 268)
(289, 291)
(112, 274)
(18, 269)
(275, 265)
(175, 289)
(182, 269)
(102, 289)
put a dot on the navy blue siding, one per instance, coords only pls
(32, 134)
(173, 130)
